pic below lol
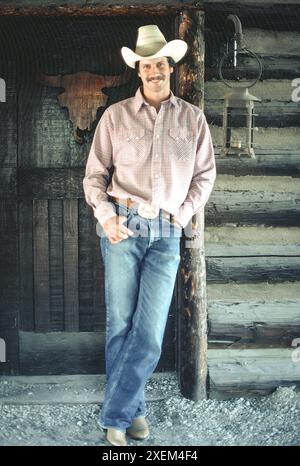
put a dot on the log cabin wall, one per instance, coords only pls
(252, 235)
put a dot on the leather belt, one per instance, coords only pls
(129, 203)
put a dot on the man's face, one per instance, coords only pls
(155, 73)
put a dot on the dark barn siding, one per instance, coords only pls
(51, 271)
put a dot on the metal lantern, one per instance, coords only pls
(238, 108)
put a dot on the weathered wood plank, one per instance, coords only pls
(250, 372)
(70, 242)
(9, 297)
(41, 265)
(253, 269)
(253, 323)
(8, 179)
(26, 266)
(51, 183)
(9, 272)
(41, 353)
(45, 121)
(233, 241)
(91, 276)
(56, 266)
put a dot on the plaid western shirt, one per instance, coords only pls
(164, 158)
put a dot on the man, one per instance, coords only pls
(161, 152)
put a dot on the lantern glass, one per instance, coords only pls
(238, 124)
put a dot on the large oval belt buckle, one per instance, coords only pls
(147, 210)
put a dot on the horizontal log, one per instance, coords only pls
(83, 353)
(233, 241)
(277, 15)
(248, 324)
(266, 42)
(110, 8)
(278, 106)
(264, 291)
(283, 141)
(265, 164)
(270, 90)
(251, 371)
(284, 67)
(254, 200)
(275, 114)
(253, 269)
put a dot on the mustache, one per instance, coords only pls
(161, 76)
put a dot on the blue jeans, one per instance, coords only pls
(140, 274)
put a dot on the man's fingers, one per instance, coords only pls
(123, 229)
(126, 231)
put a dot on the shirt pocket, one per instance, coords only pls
(182, 143)
(132, 145)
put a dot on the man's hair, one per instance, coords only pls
(170, 61)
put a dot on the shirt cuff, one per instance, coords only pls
(185, 214)
(104, 211)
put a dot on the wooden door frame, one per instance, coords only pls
(192, 315)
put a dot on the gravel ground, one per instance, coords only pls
(174, 420)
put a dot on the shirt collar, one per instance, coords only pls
(139, 100)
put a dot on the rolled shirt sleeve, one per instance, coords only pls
(204, 175)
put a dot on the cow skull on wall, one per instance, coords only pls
(82, 96)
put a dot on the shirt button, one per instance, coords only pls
(156, 155)
(157, 136)
(156, 176)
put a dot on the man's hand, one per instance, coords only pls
(115, 230)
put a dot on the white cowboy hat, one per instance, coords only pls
(152, 44)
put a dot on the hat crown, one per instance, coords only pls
(150, 40)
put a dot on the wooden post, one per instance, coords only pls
(192, 318)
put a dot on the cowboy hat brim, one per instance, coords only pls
(175, 49)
